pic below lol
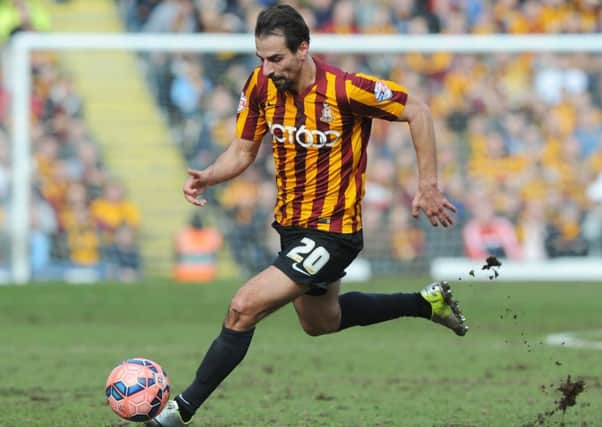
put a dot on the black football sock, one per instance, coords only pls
(362, 309)
(224, 354)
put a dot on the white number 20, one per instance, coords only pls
(313, 258)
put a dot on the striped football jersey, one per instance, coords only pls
(319, 140)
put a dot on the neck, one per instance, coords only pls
(307, 76)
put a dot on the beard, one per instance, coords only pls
(281, 83)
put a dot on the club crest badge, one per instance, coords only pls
(242, 103)
(326, 116)
(382, 92)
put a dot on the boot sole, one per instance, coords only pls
(448, 297)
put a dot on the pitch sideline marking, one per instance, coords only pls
(570, 339)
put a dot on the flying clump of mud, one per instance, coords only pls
(492, 264)
(491, 261)
(569, 390)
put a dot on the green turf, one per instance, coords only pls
(58, 343)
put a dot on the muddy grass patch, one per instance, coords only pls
(569, 391)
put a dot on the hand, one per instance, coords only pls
(434, 205)
(195, 185)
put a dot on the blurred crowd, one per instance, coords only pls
(519, 135)
(82, 227)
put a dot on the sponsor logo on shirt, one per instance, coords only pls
(303, 136)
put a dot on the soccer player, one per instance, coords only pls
(319, 117)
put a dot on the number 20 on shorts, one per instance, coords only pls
(314, 258)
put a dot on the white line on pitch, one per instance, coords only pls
(570, 339)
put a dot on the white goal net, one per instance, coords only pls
(103, 126)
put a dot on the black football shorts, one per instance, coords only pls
(315, 258)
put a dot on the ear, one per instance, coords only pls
(302, 50)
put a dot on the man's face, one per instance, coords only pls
(278, 62)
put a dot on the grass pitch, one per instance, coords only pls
(59, 342)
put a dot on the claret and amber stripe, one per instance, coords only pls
(250, 122)
(322, 158)
(319, 141)
(341, 166)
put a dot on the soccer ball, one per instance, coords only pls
(137, 389)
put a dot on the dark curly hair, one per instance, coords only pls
(283, 20)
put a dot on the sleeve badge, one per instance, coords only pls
(382, 92)
(242, 102)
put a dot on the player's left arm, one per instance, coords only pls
(367, 96)
(429, 197)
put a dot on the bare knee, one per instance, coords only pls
(242, 313)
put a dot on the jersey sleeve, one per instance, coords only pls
(371, 97)
(250, 117)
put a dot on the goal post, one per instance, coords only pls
(23, 44)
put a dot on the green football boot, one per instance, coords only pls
(445, 310)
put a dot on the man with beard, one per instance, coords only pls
(320, 119)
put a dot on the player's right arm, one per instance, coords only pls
(231, 163)
(250, 129)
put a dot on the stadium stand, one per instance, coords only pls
(113, 101)
(76, 234)
(527, 128)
